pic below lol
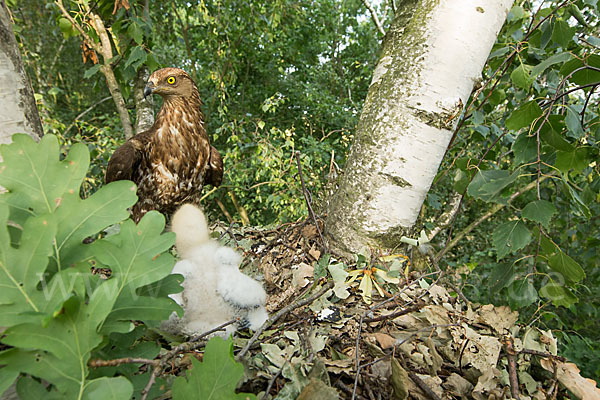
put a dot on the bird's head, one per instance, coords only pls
(169, 82)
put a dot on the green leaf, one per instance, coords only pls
(575, 160)
(21, 269)
(64, 345)
(91, 71)
(135, 32)
(78, 219)
(106, 388)
(510, 237)
(7, 378)
(524, 115)
(562, 33)
(145, 308)
(461, 180)
(64, 25)
(552, 133)
(497, 96)
(522, 77)
(540, 211)
(525, 148)
(573, 122)
(29, 388)
(163, 287)
(586, 75)
(215, 378)
(560, 295)
(546, 36)
(567, 267)
(516, 13)
(576, 203)
(151, 62)
(487, 185)
(521, 293)
(138, 257)
(37, 181)
(501, 276)
(339, 275)
(550, 61)
(136, 58)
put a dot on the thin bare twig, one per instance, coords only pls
(97, 363)
(272, 381)
(90, 108)
(308, 202)
(394, 314)
(423, 386)
(512, 366)
(191, 344)
(151, 381)
(447, 217)
(497, 207)
(74, 23)
(542, 354)
(374, 307)
(374, 17)
(284, 311)
(587, 100)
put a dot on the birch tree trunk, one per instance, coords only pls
(432, 56)
(144, 112)
(18, 111)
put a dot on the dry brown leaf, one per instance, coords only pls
(382, 369)
(339, 366)
(309, 232)
(385, 341)
(458, 386)
(300, 275)
(316, 254)
(499, 318)
(317, 390)
(437, 315)
(400, 381)
(481, 351)
(486, 384)
(568, 375)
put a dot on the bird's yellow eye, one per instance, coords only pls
(171, 80)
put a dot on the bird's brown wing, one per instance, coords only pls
(126, 159)
(214, 175)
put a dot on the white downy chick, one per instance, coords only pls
(215, 291)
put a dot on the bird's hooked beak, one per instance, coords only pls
(148, 89)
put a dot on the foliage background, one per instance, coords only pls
(289, 75)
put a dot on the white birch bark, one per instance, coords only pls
(18, 111)
(144, 112)
(432, 56)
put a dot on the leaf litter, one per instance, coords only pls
(409, 337)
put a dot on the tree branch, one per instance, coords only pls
(374, 17)
(308, 202)
(111, 80)
(105, 49)
(447, 217)
(492, 211)
(87, 110)
(83, 33)
(281, 313)
(97, 363)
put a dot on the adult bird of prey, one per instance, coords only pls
(173, 160)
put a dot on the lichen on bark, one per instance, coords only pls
(20, 114)
(422, 80)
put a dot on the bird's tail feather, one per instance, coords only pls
(189, 224)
